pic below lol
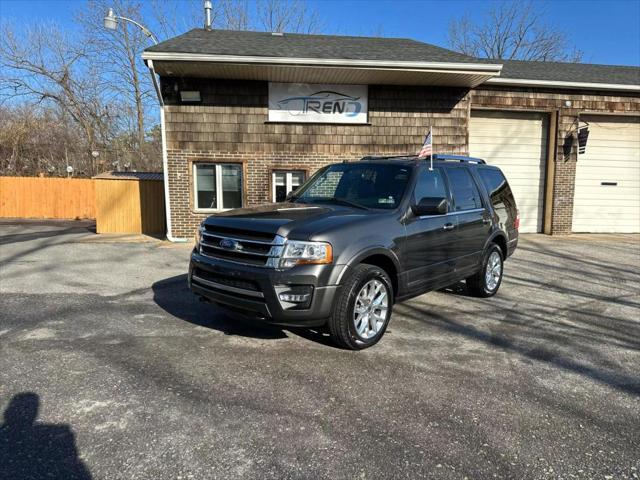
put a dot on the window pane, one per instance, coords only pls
(430, 184)
(206, 183)
(297, 179)
(231, 186)
(281, 193)
(465, 193)
(280, 179)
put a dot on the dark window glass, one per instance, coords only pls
(496, 184)
(500, 193)
(465, 193)
(231, 186)
(370, 185)
(206, 184)
(430, 184)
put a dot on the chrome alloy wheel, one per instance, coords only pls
(370, 309)
(493, 271)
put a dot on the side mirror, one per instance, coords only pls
(431, 206)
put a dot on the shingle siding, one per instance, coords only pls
(230, 125)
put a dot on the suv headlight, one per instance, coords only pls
(304, 253)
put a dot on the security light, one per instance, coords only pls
(110, 21)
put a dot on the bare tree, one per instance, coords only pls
(117, 54)
(44, 66)
(514, 30)
(295, 16)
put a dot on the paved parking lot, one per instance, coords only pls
(111, 369)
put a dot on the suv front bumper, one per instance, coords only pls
(252, 290)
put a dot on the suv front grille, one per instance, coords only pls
(240, 246)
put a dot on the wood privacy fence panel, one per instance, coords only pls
(35, 197)
(129, 206)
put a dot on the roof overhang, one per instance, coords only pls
(517, 82)
(313, 70)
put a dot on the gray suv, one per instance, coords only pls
(355, 239)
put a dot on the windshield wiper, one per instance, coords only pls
(344, 201)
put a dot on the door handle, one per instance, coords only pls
(448, 226)
(486, 220)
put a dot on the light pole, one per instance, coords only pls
(111, 23)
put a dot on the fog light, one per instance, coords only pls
(294, 296)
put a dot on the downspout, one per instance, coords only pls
(165, 161)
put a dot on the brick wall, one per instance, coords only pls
(554, 101)
(231, 126)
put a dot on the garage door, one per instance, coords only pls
(607, 188)
(517, 143)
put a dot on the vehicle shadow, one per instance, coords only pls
(30, 449)
(174, 297)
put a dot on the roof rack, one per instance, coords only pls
(458, 158)
(436, 157)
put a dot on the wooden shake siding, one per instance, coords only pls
(554, 102)
(230, 125)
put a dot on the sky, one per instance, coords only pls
(607, 31)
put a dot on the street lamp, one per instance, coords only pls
(111, 23)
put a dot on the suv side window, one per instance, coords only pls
(466, 195)
(496, 184)
(430, 184)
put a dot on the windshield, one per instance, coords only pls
(359, 184)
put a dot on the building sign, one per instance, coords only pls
(317, 103)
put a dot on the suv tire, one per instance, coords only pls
(487, 281)
(362, 310)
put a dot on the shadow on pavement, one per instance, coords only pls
(30, 449)
(173, 296)
(52, 228)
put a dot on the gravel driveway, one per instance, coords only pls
(111, 369)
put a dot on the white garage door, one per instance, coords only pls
(607, 189)
(517, 143)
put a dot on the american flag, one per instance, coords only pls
(427, 147)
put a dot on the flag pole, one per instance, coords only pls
(431, 135)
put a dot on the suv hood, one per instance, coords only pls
(292, 220)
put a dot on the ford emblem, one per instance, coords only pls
(228, 244)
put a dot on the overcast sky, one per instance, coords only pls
(606, 31)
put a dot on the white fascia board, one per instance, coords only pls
(192, 57)
(518, 82)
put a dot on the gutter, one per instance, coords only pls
(518, 82)
(320, 62)
(165, 161)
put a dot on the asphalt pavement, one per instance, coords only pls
(111, 369)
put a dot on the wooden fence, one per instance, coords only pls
(35, 197)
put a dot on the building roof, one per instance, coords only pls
(130, 176)
(293, 45)
(574, 73)
(296, 58)
(290, 57)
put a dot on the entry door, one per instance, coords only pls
(607, 188)
(517, 143)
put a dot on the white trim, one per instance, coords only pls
(288, 182)
(165, 161)
(195, 57)
(575, 85)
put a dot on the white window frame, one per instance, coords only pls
(219, 196)
(288, 181)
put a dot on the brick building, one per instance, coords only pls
(247, 116)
